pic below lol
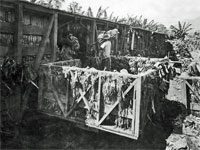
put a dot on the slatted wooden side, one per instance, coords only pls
(69, 106)
(186, 88)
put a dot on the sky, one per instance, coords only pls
(167, 12)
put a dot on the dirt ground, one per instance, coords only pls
(41, 132)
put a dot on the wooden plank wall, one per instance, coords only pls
(22, 32)
(148, 44)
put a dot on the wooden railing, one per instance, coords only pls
(104, 100)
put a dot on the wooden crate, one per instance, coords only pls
(108, 101)
(191, 93)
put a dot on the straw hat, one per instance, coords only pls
(106, 36)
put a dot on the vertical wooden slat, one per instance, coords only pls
(94, 26)
(134, 111)
(41, 90)
(99, 99)
(94, 31)
(116, 44)
(42, 47)
(18, 33)
(138, 99)
(54, 37)
(133, 40)
(123, 41)
(67, 94)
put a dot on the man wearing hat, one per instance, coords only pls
(105, 49)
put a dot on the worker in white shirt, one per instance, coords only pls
(105, 49)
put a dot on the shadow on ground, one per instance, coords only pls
(41, 132)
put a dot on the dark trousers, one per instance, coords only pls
(106, 64)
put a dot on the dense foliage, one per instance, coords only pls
(183, 42)
(49, 3)
(135, 21)
(181, 31)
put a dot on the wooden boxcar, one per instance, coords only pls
(29, 31)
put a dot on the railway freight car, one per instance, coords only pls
(119, 103)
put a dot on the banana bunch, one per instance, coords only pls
(109, 89)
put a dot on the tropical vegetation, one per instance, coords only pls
(102, 13)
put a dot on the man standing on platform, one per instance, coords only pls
(105, 48)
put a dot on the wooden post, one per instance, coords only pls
(138, 99)
(116, 44)
(41, 90)
(99, 99)
(94, 32)
(67, 94)
(123, 40)
(19, 34)
(42, 47)
(134, 111)
(54, 37)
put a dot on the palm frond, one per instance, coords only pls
(111, 15)
(98, 12)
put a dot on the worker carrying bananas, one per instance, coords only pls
(104, 40)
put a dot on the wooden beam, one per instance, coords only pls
(41, 90)
(64, 24)
(6, 5)
(107, 113)
(94, 36)
(94, 31)
(56, 96)
(134, 112)
(18, 34)
(54, 36)
(84, 99)
(138, 107)
(43, 45)
(38, 8)
(116, 44)
(99, 98)
(77, 102)
(67, 94)
(130, 87)
(189, 78)
(123, 40)
(133, 40)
